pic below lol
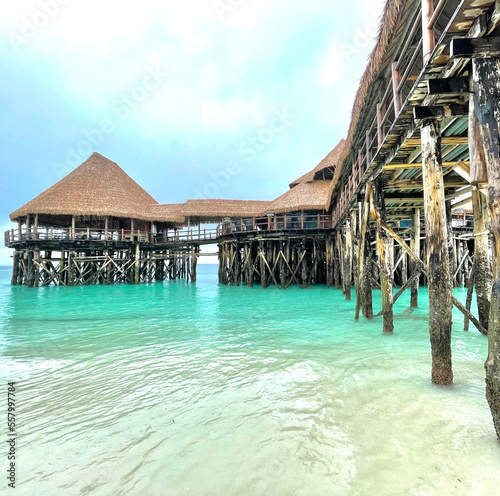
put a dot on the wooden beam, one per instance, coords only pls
(447, 140)
(475, 47)
(447, 86)
(441, 111)
(495, 17)
(416, 184)
(416, 165)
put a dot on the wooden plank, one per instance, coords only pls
(446, 86)
(447, 140)
(475, 47)
(415, 165)
(440, 111)
(401, 184)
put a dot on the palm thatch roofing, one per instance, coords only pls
(329, 162)
(305, 196)
(216, 210)
(99, 188)
(167, 212)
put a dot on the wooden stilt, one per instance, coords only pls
(362, 258)
(137, 263)
(483, 277)
(336, 267)
(415, 246)
(15, 269)
(439, 285)
(347, 274)
(485, 91)
(384, 245)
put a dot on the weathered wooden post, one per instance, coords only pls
(194, 263)
(336, 256)
(15, 269)
(482, 273)
(384, 244)
(263, 277)
(363, 284)
(415, 246)
(486, 102)
(439, 278)
(347, 260)
(137, 263)
(71, 268)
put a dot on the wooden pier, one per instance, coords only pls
(384, 210)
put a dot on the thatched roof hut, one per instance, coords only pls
(310, 191)
(97, 189)
(304, 196)
(325, 170)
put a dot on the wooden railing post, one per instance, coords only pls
(368, 150)
(429, 40)
(380, 130)
(396, 80)
(360, 165)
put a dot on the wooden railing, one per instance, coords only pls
(405, 71)
(289, 222)
(285, 222)
(96, 235)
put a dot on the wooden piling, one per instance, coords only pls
(483, 277)
(439, 278)
(485, 91)
(15, 269)
(347, 252)
(384, 248)
(415, 246)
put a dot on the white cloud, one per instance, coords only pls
(333, 67)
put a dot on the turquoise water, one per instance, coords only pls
(202, 389)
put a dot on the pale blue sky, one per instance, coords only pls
(201, 98)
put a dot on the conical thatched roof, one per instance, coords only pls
(98, 187)
(305, 196)
(329, 162)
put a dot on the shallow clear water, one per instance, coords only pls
(202, 389)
